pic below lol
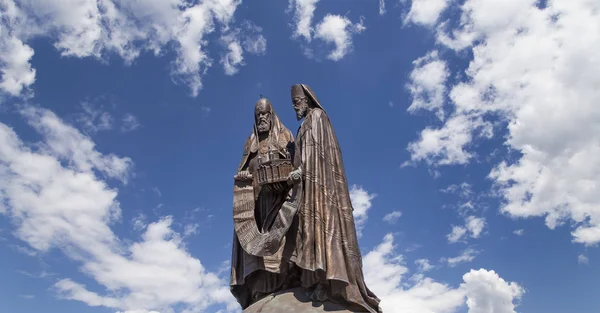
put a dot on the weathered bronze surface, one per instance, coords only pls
(307, 235)
(257, 267)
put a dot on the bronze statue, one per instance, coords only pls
(326, 245)
(257, 267)
(292, 212)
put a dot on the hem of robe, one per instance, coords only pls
(309, 278)
(261, 284)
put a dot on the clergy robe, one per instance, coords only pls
(254, 276)
(326, 244)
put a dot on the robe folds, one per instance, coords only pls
(254, 276)
(326, 245)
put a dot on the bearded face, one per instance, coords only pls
(263, 118)
(300, 106)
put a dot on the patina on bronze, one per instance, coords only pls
(304, 236)
(325, 244)
(261, 219)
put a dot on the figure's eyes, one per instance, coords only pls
(296, 101)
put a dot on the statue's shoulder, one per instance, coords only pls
(248, 145)
(318, 113)
(319, 116)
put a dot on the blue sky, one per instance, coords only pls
(468, 130)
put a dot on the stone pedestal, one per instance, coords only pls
(293, 301)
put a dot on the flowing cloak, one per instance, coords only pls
(326, 244)
(254, 276)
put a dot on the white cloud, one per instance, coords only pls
(457, 233)
(97, 28)
(94, 119)
(444, 146)
(384, 272)
(361, 202)
(68, 144)
(17, 73)
(426, 12)
(582, 259)
(466, 256)
(338, 30)
(519, 232)
(234, 56)
(56, 199)
(392, 217)
(139, 222)
(463, 189)
(256, 44)
(129, 122)
(333, 29)
(536, 70)
(381, 7)
(248, 38)
(473, 227)
(427, 84)
(488, 292)
(303, 15)
(190, 229)
(424, 265)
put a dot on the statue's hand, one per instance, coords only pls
(243, 175)
(295, 177)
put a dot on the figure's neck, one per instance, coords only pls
(309, 110)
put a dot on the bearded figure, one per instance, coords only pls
(260, 218)
(325, 243)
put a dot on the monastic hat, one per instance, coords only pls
(299, 90)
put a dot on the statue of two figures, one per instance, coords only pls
(292, 212)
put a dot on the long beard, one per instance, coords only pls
(300, 113)
(263, 126)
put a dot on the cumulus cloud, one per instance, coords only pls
(444, 146)
(385, 271)
(361, 202)
(338, 30)
(57, 197)
(426, 12)
(427, 84)
(488, 292)
(17, 73)
(534, 69)
(97, 28)
(392, 217)
(333, 29)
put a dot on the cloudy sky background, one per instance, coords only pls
(469, 129)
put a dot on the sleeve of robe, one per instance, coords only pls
(326, 238)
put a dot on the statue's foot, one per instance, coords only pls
(320, 294)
